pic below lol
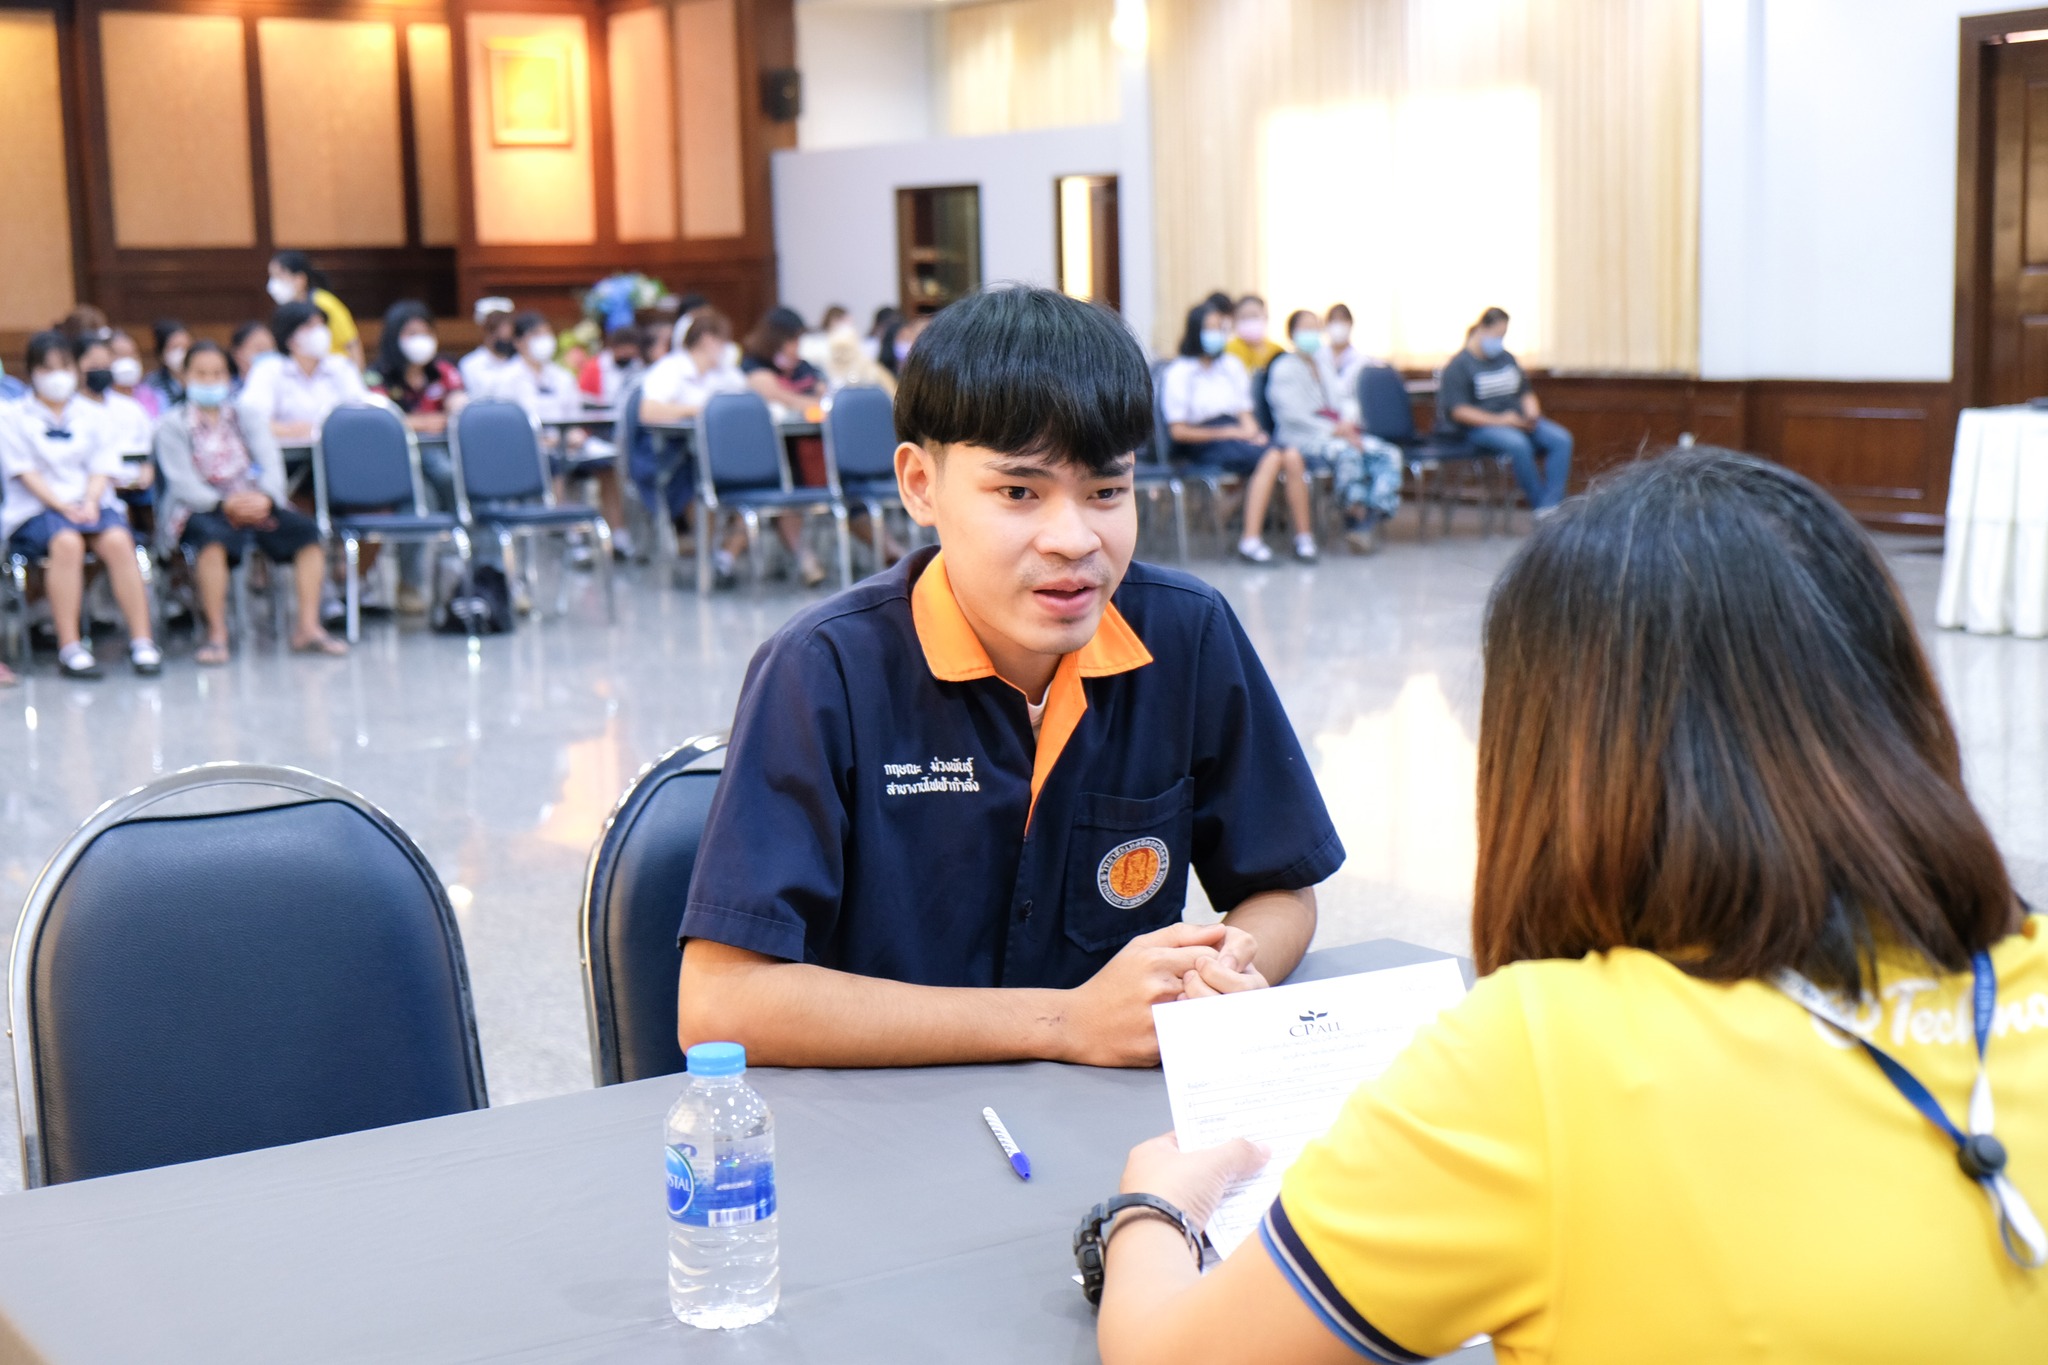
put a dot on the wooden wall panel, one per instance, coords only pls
(430, 62)
(330, 130)
(642, 69)
(35, 266)
(708, 98)
(534, 196)
(177, 130)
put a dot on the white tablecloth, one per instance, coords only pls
(1994, 562)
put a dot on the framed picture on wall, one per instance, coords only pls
(530, 93)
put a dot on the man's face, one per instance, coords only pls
(1034, 546)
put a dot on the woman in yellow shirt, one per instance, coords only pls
(295, 279)
(1720, 804)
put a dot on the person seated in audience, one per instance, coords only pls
(86, 322)
(495, 350)
(815, 348)
(292, 395)
(1250, 341)
(1308, 417)
(1721, 808)
(224, 492)
(295, 279)
(412, 373)
(655, 343)
(249, 344)
(847, 362)
(884, 323)
(866, 893)
(1340, 361)
(11, 389)
(605, 375)
(1484, 397)
(61, 459)
(128, 426)
(901, 335)
(164, 387)
(548, 393)
(769, 360)
(1206, 398)
(675, 391)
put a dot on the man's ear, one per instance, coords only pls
(917, 477)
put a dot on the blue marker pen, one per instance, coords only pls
(1019, 1162)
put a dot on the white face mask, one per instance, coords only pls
(127, 371)
(418, 348)
(1339, 333)
(281, 290)
(312, 342)
(56, 386)
(540, 347)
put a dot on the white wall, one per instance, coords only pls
(835, 211)
(867, 75)
(1828, 188)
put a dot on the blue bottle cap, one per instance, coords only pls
(716, 1059)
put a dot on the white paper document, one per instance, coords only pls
(1276, 1066)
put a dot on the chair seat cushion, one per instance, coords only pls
(571, 514)
(774, 497)
(397, 523)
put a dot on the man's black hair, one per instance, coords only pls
(1028, 371)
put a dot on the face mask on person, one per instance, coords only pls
(540, 347)
(504, 348)
(1214, 339)
(56, 386)
(418, 348)
(1308, 343)
(312, 342)
(174, 359)
(1339, 334)
(99, 381)
(1251, 330)
(281, 290)
(1492, 347)
(127, 371)
(207, 395)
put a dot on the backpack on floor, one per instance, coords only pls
(481, 604)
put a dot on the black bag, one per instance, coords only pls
(482, 605)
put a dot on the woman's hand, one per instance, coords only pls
(1192, 1182)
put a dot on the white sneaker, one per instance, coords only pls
(1254, 550)
(622, 544)
(1305, 548)
(145, 657)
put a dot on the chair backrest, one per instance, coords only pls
(1162, 434)
(191, 985)
(626, 425)
(366, 459)
(738, 447)
(632, 906)
(860, 433)
(1262, 400)
(1384, 406)
(497, 456)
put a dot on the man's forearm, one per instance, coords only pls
(1283, 923)
(795, 1014)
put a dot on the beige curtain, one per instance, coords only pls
(1021, 64)
(1421, 160)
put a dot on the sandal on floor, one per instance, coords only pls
(145, 658)
(210, 655)
(320, 644)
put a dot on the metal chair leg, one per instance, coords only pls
(603, 532)
(845, 535)
(701, 514)
(756, 560)
(352, 554)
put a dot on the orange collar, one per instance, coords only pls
(954, 653)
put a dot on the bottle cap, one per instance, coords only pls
(716, 1059)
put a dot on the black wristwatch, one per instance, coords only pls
(1099, 1225)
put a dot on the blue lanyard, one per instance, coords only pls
(1981, 1156)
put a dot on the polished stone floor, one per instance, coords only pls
(504, 763)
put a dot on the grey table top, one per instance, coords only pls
(537, 1232)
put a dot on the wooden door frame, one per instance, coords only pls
(1974, 180)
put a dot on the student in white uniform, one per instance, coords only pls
(60, 459)
(676, 390)
(495, 352)
(293, 394)
(129, 424)
(549, 393)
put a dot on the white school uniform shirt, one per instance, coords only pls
(548, 395)
(134, 429)
(279, 390)
(1340, 377)
(480, 367)
(30, 444)
(1194, 393)
(676, 380)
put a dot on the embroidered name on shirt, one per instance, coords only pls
(940, 775)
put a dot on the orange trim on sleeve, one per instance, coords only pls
(954, 653)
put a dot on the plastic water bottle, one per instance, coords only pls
(722, 1268)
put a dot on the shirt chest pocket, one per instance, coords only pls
(1127, 865)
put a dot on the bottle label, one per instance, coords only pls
(726, 1189)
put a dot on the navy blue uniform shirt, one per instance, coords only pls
(884, 809)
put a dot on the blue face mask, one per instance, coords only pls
(207, 395)
(1214, 339)
(1492, 347)
(1308, 343)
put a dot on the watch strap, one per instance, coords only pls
(1092, 1236)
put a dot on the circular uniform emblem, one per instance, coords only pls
(1132, 873)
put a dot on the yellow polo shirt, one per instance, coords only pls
(341, 324)
(1607, 1160)
(1255, 358)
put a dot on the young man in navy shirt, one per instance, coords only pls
(962, 799)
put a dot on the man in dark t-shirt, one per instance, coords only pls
(1485, 398)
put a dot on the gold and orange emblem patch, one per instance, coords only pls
(1132, 873)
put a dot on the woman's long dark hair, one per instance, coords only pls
(1709, 731)
(299, 263)
(391, 364)
(1191, 335)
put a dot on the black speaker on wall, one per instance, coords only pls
(782, 94)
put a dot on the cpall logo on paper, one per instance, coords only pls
(1313, 1022)
(1132, 873)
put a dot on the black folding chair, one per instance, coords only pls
(633, 894)
(742, 466)
(502, 486)
(228, 975)
(367, 488)
(1386, 411)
